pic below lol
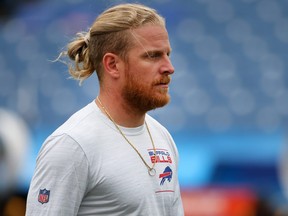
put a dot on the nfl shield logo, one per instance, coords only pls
(43, 196)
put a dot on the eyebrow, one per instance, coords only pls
(157, 51)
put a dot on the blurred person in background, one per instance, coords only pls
(14, 142)
(111, 157)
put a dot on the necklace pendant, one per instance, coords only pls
(151, 171)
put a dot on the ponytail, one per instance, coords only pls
(78, 51)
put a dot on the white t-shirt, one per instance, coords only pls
(86, 167)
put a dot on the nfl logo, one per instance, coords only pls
(43, 196)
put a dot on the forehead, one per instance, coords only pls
(151, 37)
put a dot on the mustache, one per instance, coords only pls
(162, 80)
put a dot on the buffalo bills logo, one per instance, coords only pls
(166, 175)
(43, 196)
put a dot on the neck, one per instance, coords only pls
(120, 112)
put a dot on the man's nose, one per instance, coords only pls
(167, 66)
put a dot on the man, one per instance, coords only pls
(111, 157)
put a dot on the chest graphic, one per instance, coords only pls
(162, 156)
(166, 175)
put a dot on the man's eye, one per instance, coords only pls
(154, 55)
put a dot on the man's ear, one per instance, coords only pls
(111, 64)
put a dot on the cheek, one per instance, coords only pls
(144, 71)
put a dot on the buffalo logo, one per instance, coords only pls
(167, 174)
(43, 196)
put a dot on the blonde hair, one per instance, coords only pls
(110, 32)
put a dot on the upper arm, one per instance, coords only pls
(62, 169)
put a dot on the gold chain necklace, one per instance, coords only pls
(151, 170)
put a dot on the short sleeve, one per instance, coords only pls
(60, 179)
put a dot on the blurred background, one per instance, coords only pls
(229, 108)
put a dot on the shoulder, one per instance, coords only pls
(84, 126)
(64, 141)
(82, 117)
(78, 135)
(61, 149)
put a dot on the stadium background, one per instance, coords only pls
(229, 108)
